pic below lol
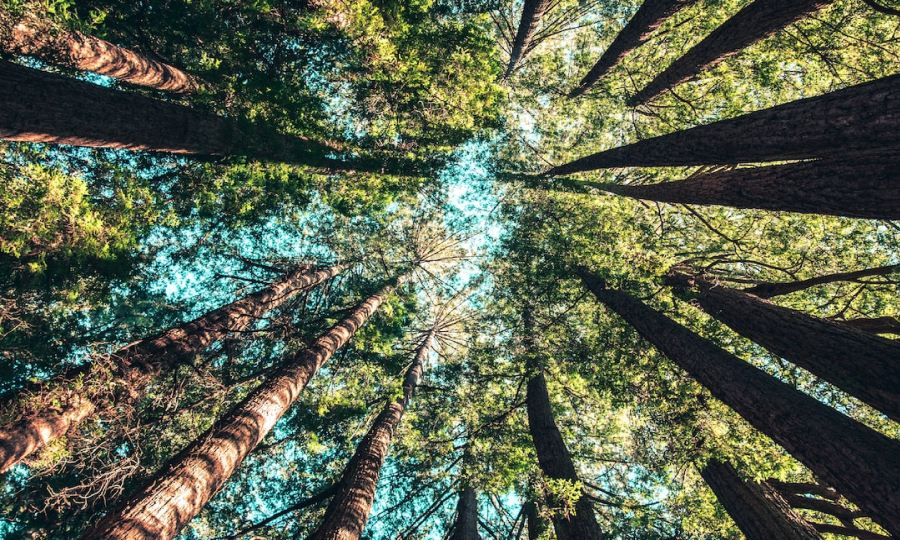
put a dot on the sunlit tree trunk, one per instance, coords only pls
(648, 18)
(755, 22)
(757, 509)
(852, 188)
(862, 464)
(174, 496)
(532, 12)
(135, 364)
(859, 119)
(859, 363)
(348, 512)
(767, 290)
(466, 524)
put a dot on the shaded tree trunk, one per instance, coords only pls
(755, 22)
(864, 465)
(536, 524)
(858, 119)
(804, 488)
(99, 56)
(874, 325)
(174, 496)
(137, 363)
(348, 511)
(757, 508)
(852, 188)
(648, 18)
(767, 290)
(850, 532)
(552, 453)
(466, 524)
(532, 12)
(859, 363)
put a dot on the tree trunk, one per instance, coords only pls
(755, 22)
(757, 508)
(859, 119)
(804, 488)
(648, 18)
(536, 524)
(98, 56)
(137, 363)
(466, 525)
(532, 12)
(855, 189)
(859, 363)
(861, 463)
(348, 511)
(874, 325)
(174, 496)
(767, 290)
(553, 456)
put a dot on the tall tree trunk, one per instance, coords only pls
(648, 18)
(552, 453)
(466, 524)
(852, 188)
(755, 22)
(757, 508)
(859, 119)
(862, 464)
(767, 290)
(348, 511)
(859, 363)
(532, 12)
(98, 56)
(174, 496)
(536, 524)
(137, 363)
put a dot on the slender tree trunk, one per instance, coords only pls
(767, 290)
(874, 325)
(804, 488)
(859, 119)
(862, 464)
(852, 188)
(849, 532)
(755, 22)
(859, 363)
(137, 363)
(553, 456)
(348, 512)
(757, 508)
(536, 525)
(466, 524)
(532, 12)
(648, 18)
(838, 511)
(174, 496)
(99, 56)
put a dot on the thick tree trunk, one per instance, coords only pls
(757, 508)
(852, 188)
(755, 22)
(860, 119)
(98, 56)
(767, 290)
(861, 463)
(174, 496)
(532, 12)
(859, 363)
(648, 18)
(552, 453)
(348, 512)
(136, 363)
(466, 524)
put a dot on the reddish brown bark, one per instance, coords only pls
(348, 511)
(174, 496)
(755, 22)
(648, 18)
(859, 119)
(859, 363)
(532, 12)
(767, 290)
(861, 463)
(466, 524)
(758, 509)
(136, 363)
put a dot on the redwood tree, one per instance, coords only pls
(466, 524)
(532, 12)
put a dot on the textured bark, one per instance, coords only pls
(648, 18)
(136, 363)
(767, 290)
(532, 12)
(859, 119)
(859, 363)
(348, 511)
(174, 496)
(757, 509)
(466, 524)
(755, 22)
(856, 189)
(874, 325)
(859, 462)
(99, 56)
(552, 453)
